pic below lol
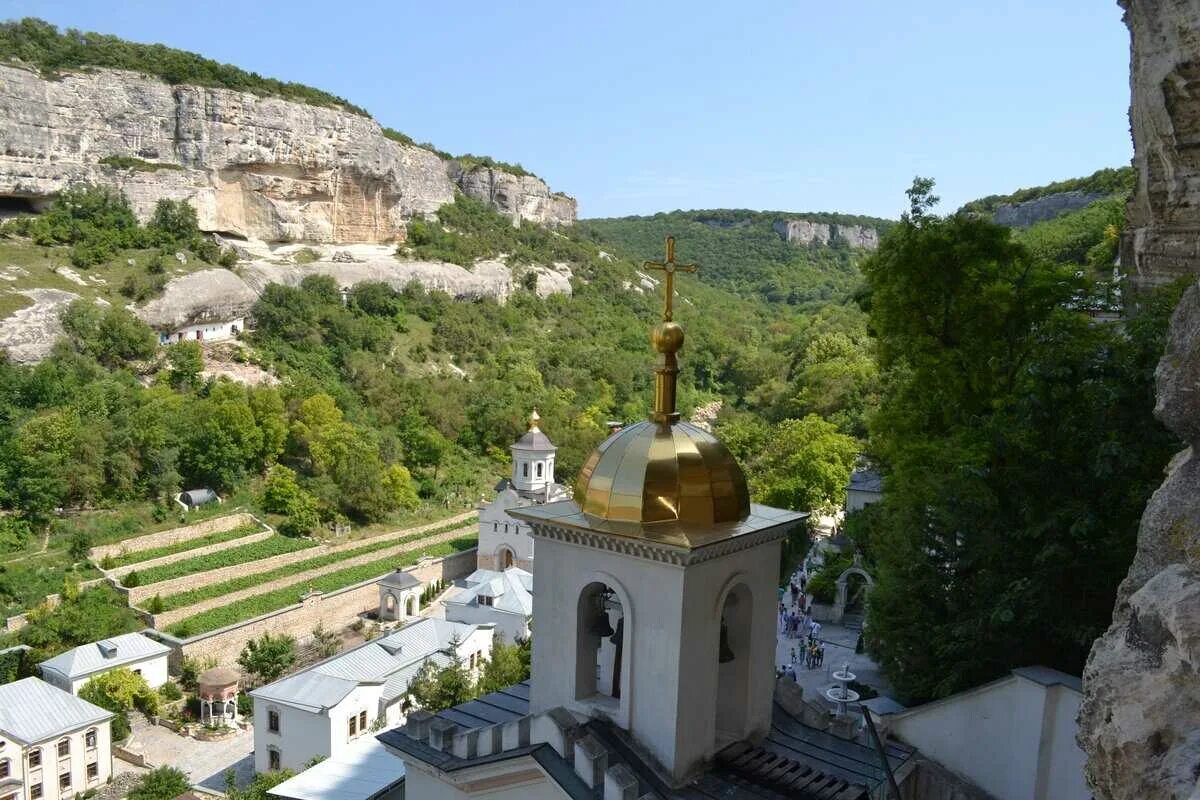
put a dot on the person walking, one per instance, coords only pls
(821, 655)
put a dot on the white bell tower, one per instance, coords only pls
(533, 460)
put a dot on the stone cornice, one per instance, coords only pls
(653, 551)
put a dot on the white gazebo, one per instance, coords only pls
(218, 690)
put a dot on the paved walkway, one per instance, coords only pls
(204, 762)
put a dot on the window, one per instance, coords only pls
(93, 771)
(485, 601)
(353, 727)
(64, 748)
(35, 757)
(524, 469)
(495, 527)
(539, 469)
(64, 782)
(362, 720)
(273, 721)
(273, 759)
(3, 767)
(35, 792)
(89, 739)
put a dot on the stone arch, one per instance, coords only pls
(410, 606)
(842, 585)
(505, 557)
(734, 620)
(589, 649)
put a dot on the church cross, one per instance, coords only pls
(669, 268)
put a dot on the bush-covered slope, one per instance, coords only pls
(740, 250)
(1103, 181)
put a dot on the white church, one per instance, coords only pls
(654, 639)
(505, 540)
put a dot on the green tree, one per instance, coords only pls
(268, 657)
(185, 362)
(804, 464)
(112, 336)
(1006, 419)
(326, 642)
(507, 665)
(163, 783)
(280, 489)
(435, 689)
(259, 788)
(174, 222)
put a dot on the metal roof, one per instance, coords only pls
(865, 480)
(510, 590)
(89, 659)
(363, 771)
(325, 684)
(32, 711)
(399, 580)
(533, 440)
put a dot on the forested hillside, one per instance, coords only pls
(1118, 181)
(740, 251)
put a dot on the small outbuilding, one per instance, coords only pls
(194, 498)
(399, 596)
(140, 654)
(218, 691)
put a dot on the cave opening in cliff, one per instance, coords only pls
(12, 205)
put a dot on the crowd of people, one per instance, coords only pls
(796, 622)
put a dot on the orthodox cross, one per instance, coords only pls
(669, 268)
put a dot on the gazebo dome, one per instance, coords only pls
(661, 472)
(218, 679)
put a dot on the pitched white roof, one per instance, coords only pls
(325, 684)
(363, 770)
(510, 590)
(32, 710)
(104, 655)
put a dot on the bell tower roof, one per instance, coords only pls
(533, 439)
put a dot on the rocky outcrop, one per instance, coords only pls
(1162, 235)
(1140, 719)
(210, 295)
(802, 231)
(1022, 215)
(522, 197)
(29, 334)
(256, 167)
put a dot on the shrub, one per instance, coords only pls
(229, 258)
(132, 579)
(155, 606)
(163, 783)
(170, 691)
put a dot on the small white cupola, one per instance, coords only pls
(533, 460)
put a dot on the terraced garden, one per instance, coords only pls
(255, 605)
(272, 546)
(225, 589)
(139, 556)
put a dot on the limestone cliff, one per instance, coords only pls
(256, 167)
(1162, 234)
(802, 231)
(1140, 719)
(1022, 215)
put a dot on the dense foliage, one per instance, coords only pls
(121, 690)
(268, 657)
(163, 783)
(39, 44)
(1019, 447)
(1117, 181)
(82, 617)
(741, 251)
(435, 688)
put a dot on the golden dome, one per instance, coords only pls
(663, 472)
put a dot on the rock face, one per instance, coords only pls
(1140, 719)
(210, 295)
(257, 167)
(1022, 215)
(29, 334)
(801, 231)
(1162, 233)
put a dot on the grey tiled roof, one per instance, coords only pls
(327, 683)
(89, 659)
(533, 440)
(32, 710)
(865, 480)
(509, 590)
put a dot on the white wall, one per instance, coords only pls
(672, 626)
(301, 736)
(51, 767)
(1014, 738)
(210, 332)
(154, 670)
(497, 529)
(856, 500)
(509, 625)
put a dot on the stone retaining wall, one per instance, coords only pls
(174, 535)
(167, 618)
(18, 621)
(140, 594)
(250, 538)
(335, 611)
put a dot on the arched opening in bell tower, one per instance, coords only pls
(733, 664)
(601, 657)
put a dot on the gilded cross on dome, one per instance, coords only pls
(669, 268)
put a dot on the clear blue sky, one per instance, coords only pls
(637, 107)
